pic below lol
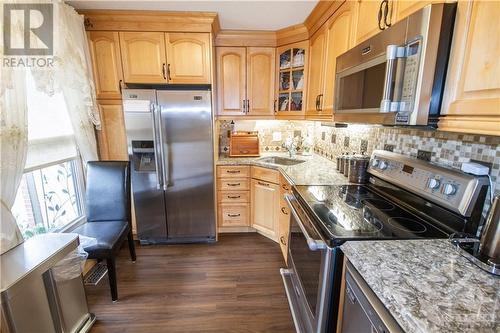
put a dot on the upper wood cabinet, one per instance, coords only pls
(265, 207)
(188, 58)
(157, 57)
(143, 57)
(291, 81)
(471, 100)
(104, 49)
(111, 137)
(231, 80)
(339, 39)
(317, 52)
(260, 81)
(407, 7)
(367, 23)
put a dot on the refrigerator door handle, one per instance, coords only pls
(159, 178)
(164, 159)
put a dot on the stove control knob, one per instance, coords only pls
(449, 189)
(383, 165)
(375, 163)
(434, 183)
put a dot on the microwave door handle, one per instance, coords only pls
(164, 161)
(156, 147)
(390, 70)
(313, 244)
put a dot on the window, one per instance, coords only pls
(49, 196)
(48, 199)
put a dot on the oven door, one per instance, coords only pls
(308, 279)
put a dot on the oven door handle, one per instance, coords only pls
(313, 244)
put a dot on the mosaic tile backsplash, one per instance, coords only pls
(444, 148)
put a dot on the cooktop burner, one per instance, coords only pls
(359, 212)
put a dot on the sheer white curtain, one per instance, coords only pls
(71, 75)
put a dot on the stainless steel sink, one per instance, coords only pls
(280, 160)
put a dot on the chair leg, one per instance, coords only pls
(112, 278)
(131, 246)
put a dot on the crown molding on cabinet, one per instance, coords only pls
(246, 38)
(292, 34)
(136, 20)
(321, 13)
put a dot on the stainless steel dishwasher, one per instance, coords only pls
(363, 311)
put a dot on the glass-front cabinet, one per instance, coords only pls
(291, 80)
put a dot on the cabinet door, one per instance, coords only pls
(338, 41)
(404, 8)
(265, 206)
(111, 137)
(367, 23)
(471, 100)
(260, 81)
(231, 80)
(143, 57)
(188, 58)
(316, 73)
(104, 47)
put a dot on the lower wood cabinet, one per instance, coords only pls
(233, 214)
(112, 139)
(233, 198)
(264, 207)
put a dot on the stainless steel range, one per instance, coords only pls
(405, 199)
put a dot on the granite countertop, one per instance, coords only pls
(316, 170)
(428, 286)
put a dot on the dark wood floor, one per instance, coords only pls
(231, 286)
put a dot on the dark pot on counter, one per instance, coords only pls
(358, 169)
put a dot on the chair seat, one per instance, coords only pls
(107, 233)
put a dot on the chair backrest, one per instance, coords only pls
(108, 191)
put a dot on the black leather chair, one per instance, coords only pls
(108, 214)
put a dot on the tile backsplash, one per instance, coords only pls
(449, 149)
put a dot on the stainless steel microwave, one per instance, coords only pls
(397, 76)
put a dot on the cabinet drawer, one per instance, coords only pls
(233, 171)
(234, 215)
(234, 196)
(268, 175)
(235, 184)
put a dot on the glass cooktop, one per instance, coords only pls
(357, 212)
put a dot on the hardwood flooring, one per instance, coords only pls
(231, 286)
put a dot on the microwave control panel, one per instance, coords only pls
(410, 77)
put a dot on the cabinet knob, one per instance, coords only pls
(283, 210)
(282, 240)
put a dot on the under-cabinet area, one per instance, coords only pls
(250, 166)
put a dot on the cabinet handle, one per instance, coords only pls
(283, 210)
(274, 105)
(233, 184)
(244, 151)
(282, 240)
(285, 187)
(164, 71)
(234, 196)
(388, 13)
(248, 106)
(263, 184)
(233, 171)
(120, 86)
(233, 215)
(168, 73)
(320, 98)
(244, 107)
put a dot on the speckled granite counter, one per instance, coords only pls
(316, 170)
(427, 286)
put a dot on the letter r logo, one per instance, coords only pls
(28, 29)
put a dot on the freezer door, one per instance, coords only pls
(186, 123)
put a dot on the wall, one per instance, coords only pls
(445, 148)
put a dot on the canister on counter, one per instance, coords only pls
(346, 165)
(358, 169)
(342, 162)
(339, 158)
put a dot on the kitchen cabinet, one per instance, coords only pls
(471, 102)
(284, 217)
(143, 57)
(111, 137)
(260, 81)
(188, 58)
(317, 52)
(245, 81)
(231, 80)
(264, 207)
(104, 47)
(292, 69)
(368, 23)
(233, 198)
(404, 8)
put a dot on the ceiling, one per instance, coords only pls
(233, 15)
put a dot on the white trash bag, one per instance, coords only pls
(71, 266)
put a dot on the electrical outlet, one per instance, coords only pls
(363, 147)
(346, 142)
(424, 155)
(333, 138)
(323, 135)
(297, 133)
(389, 147)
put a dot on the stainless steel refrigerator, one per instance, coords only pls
(170, 147)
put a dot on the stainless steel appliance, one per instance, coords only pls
(363, 311)
(397, 76)
(405, 198)
(170, 146)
